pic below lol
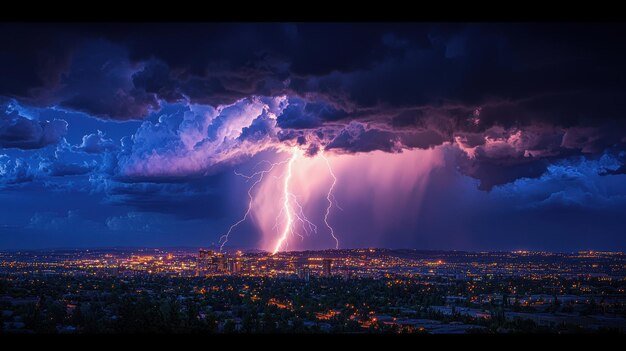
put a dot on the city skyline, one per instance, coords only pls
(311, 136)
(332, 291)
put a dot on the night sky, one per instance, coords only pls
(440, 136)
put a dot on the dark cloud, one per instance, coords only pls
(61, 64)
(369, 64)
(409, 118)
(33, 57)
(156, 78)
(100, 83)
(356, 138)
(512, 96)
(217, 87)
(422, 139)
(17, 131)
(492, 173)
(300, 114)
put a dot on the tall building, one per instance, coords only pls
(234, 265)
(210, 262)
(205, 253)
(326, 265)
(220, 262)
(203, 261)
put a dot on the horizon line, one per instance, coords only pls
(307, 250)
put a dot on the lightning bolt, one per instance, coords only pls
(286, 208)
(330, 197)
(291, 211)
(224, 238)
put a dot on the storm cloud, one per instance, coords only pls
(152, 118)
(17, 131)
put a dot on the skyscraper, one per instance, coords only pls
(220, 262)
(201, 261)
(209, 262)
(234, 265)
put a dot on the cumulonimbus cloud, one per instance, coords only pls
(512, 106)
